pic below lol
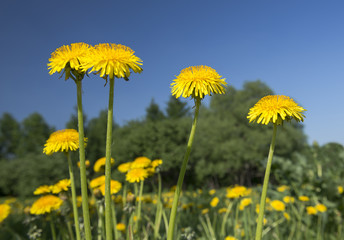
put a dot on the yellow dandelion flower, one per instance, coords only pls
(276, 109)
(61, 186)
(205, 211)
(124, 167)
(97, 182)
(244, 203)
(286, 216)
(141, 162)
(288, 199)
(238, 191)
(311, 210)
(156, 163)
(115, 187)
(212, 191)
(231, 238)
(5, 210)
(282, 188)
(42, 190)
(62, 141)
(277, 205)
(197, 82)
(87, 164)
(321, 207)
(340, 189)
(222, 210)
(100, 164)
(113, 60)
(46, 204)
(68, 58)
(304, 198)
(214, 202)
(120, 227)
(136, 175)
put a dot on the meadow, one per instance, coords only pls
(245, 172)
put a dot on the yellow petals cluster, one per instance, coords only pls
(141, 162)
(124, 167)
(61, 186)
(112, 60)
(42, 190)
(277, 205)
(197, 81)
(321, 207)
(275, 109)
(282, 188)
(244, 203)
(238, 191)
(214, 202)
(5, 210)
(115, 187)
(62, 141)
(68, 57)
(46, 204)
(311, 210)
(100, 164)
(288, 199)
(303, 198)
(120, 227)
(136, 175)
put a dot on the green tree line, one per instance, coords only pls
(227, 149)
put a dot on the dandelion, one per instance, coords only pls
(97, 182)
(100, 164)
(124, 167)
(340, 189)
(238, 191)
(115, 187)
(136, 175)
(244, 203)
(120, 227)
(61, 186)
(205, 211)
(286, 216)
(282, 188)
(214, 201)
(42, 190)
(230, 238)
(5, 210)
(62, 141)
(321, 207)
(212, 192)
(311, 210)
(69, 58)
(275, 109)
(156, 163)
(277, 205)
(303, 198)
(141, 162)
(46, 204)
(288, 199)
(197, 82)
(194, 82)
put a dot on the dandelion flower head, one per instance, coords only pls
(304, 198)
(275, 109)
(214, 201)
(115, 187)
(62, 141)
(5, 210)
(141, 162)
(244, 203)
(100, 164)
(68, 57)
(311, 210)
(97, 182)
(321, 207)
(238, 191)
(197, 81)
(136, 175)
(46, 204)
(277, 205)
(156, 163)
(120, 227)
(124, 167)
(113, 60)
(42, 190)
(60, 186)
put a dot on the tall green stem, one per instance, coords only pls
(74, 201)
(108, 222)
(83, 180)
(265, 185)
(182, 174)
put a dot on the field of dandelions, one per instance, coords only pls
(125, 208)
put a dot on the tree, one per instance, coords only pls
(9, 136)
(176, 108)
(35, 132)
(153, 112)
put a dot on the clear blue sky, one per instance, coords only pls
(295, 47)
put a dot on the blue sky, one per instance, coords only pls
(295, 47)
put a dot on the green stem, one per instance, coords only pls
(74, 201)
(108, 222)
(171, 227)
(319, 228)
(114, 220)
(83, 181)
(158, 213)
(265, 186)
(52, 227)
